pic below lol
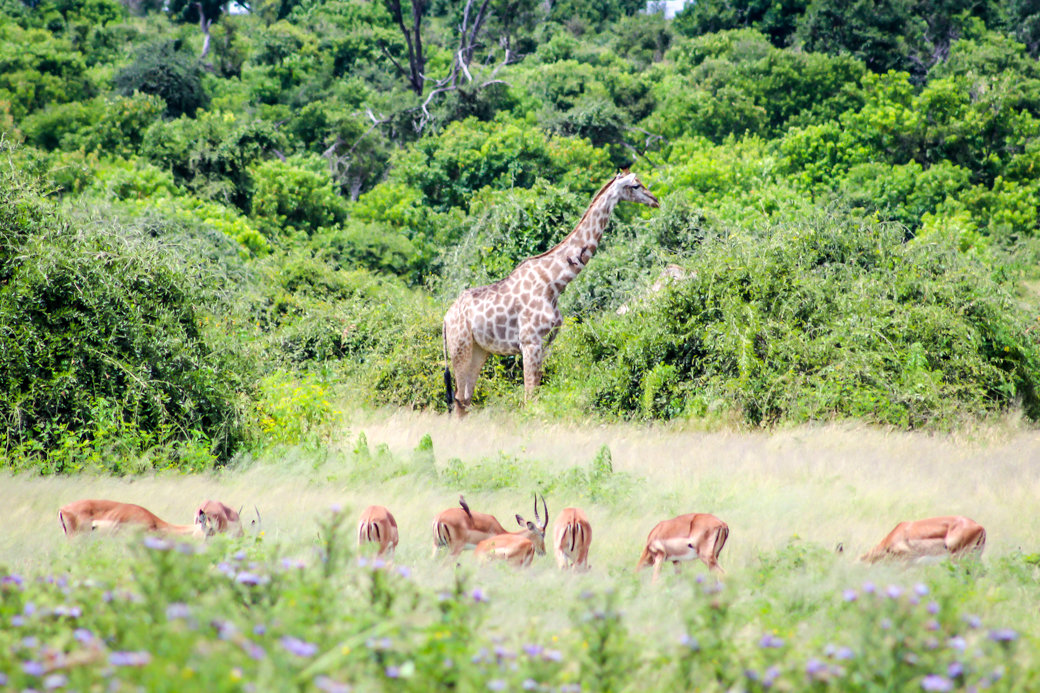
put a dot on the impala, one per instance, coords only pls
(88, 515)
(935, 536)
(378, 526)
(572, 535)
(518, 548)
(460, 528)
(684, 538)
(219, 518)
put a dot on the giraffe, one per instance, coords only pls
(519, 314)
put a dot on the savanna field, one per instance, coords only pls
(229, 235)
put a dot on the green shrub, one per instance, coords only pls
(102, 331)
(294, 196)
(164, 70)
(830, 319)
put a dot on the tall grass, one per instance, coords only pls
(788, 498)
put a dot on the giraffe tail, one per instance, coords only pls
(449, 394)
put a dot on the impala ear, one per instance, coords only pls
(533, 527)
(521, 521)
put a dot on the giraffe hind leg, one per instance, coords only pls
(467, 363)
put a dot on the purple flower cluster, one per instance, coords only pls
(300, 648)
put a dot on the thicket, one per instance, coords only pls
(855, 206)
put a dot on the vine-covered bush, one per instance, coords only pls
(102, 341)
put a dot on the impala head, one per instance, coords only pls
(537, 531)
(203, 526)
(631, 189)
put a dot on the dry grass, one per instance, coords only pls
(826, 485)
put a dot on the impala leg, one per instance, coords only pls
(658, 560)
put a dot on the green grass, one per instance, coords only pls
(789, 497)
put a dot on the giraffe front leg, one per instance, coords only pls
(533, 355)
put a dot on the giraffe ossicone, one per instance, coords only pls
(519, 314)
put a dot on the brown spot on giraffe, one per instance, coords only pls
(528, 298)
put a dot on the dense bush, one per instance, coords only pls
(164, 70)
(102, 342)
(761, 327)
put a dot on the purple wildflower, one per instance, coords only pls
(378, 564)
(973, 621)
(921, 589)
(687, 640)
(324, 683)
(478, 595)
(894, 591)
(69, 611)
(253, 650)
(771, 674)
(931, 625)
(17, 621)
(886, 624)
(751, 675)
(31, 642)
(33, 668)
(955, 670)
(532, 649)
(300, 648)
(404, 571)
(844, 653)
(933, 608)
(529, 684)
(129, 659)
(250, 579)
(29, 609)
(935, 682)
(379, 643)
(335, 508)
(393, 672)
(225, 629)
(239, 555)
(850, 595)
(480, 656)
(157, 544)
(178, 611)
(770, 641)
(225, 569)
(570, 688)
(496, 685)
(814, 668)
(290, 563)
(55, 681)
(82, 635)
(502, 653)
(552, 656)
(869, 587)
(259, 629)
(957, 643)
(12, 579)
(1003, 635)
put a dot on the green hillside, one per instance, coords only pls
(215, 229)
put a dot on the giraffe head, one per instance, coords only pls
(629, 188)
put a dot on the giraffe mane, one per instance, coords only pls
(576, 226)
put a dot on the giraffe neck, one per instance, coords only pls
(565, 260)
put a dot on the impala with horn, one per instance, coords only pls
(220, 518)
(572, 535)
(935, 536)
(88, 515)
(518, 548)
(378, 526)
(461, 528)
(685, 538)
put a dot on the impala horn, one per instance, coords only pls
(257, 522)
(545, 511)
(462, 502)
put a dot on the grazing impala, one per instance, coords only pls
(378, 526)
(219, 518)
(518, 548)
(460, 528)
(684, 538)
(936, 536)
(88, 515)
(572, 537)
